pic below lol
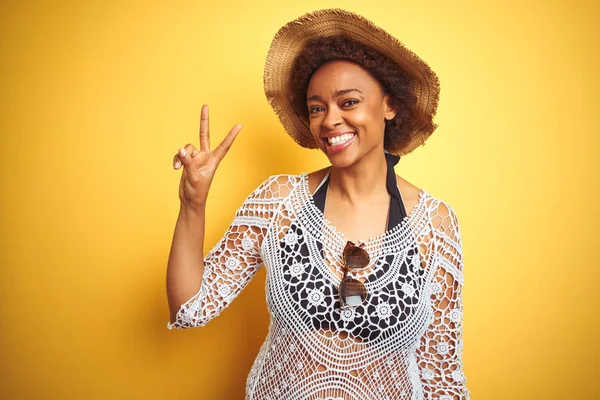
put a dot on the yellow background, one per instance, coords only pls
(96, 98)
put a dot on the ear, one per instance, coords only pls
(388, 112)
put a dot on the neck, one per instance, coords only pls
(363, 181)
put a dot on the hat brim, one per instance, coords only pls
(291, 39)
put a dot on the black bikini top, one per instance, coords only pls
(397, 211)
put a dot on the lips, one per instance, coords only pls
(335, 140)
(337, 143)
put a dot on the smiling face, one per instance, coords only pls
(347, 110)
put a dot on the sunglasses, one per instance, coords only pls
(352, 291)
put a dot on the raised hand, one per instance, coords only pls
(199, 166)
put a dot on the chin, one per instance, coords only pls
(342, 160)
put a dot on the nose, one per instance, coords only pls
(333, 117)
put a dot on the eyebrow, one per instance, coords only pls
(337, 94)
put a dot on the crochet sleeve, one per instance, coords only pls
(439, 355)
(235, 258)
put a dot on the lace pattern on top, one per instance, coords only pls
(403, 342)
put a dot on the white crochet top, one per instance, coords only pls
(403, 342)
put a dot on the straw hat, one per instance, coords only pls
(293, 36)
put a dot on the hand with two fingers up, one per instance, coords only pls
(199, 166)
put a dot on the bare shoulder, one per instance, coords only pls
(443, 217)
(315, 177)
(409, 192)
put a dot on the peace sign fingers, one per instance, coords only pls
(199, 165)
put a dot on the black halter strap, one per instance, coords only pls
(397, 211)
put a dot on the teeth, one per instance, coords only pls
(340, 139)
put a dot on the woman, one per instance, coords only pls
(364, 270)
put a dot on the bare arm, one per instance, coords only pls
(186, 266)
(186, 258)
